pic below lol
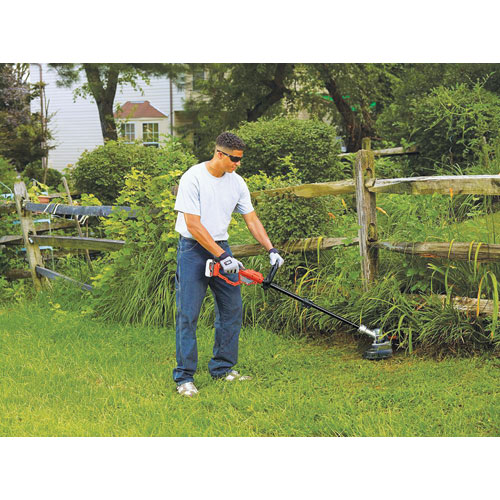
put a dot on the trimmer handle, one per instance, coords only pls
(269, 278)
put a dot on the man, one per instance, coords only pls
(208, 195)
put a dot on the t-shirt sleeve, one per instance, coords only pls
(244, 205)
(188, 196)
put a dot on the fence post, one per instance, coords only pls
(367, 215)
(70, 200)
(32, 250)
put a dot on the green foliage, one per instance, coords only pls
(102, 171)
(9, 255)
(35, 171)
(11, 291)
(137, 284)
(310, 145)
(23, 138)
(230, 94)
(8, 175)
(450, 125)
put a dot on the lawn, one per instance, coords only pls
(64, 374)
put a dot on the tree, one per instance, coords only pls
(231, 94)
(23, 137)
(417, 82)
(358, 93)
(102, 81)
(237, 93)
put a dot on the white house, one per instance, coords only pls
(75, 124)
(139, 120)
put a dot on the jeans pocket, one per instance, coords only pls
(188, 244)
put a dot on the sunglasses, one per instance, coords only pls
(234, 159)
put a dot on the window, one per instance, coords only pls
(150, 134)
(128, 131)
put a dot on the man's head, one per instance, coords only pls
(229, 142)
(228, 151)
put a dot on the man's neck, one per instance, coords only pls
(213, 170)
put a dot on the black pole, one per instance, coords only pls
(308, 303)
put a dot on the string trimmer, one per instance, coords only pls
(381, 347)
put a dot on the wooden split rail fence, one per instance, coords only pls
(364, 185)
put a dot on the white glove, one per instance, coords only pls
(275, 257)
(229, 264)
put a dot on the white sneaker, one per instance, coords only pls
(234, 375)
(187, 389)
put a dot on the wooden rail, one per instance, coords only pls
(11, 239)
(447, 185)
(311, 190)
(48, 274)
(81, 243)
(7, 208)
(384, 152)
(304, 245)
(455, 250)
(92, 211)
(471, 305)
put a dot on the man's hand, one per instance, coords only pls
(275, 257)
(229, 264)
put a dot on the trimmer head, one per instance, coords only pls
(381, 348)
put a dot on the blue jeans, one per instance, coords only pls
(190, 289)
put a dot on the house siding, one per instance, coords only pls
(75, 124)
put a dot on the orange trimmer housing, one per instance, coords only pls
(245, 276)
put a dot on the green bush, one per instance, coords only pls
(102, 171)
(311, 146)
(449, 126)
(136, 285)
(35, 171)
(8, 175)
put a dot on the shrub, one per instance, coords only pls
(310, 144)
(35, 171)
(449, 126)
(7, 175)
(102, 171)
(137, 284)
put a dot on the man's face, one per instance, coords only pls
(227, 158)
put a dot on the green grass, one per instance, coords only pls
(485, 228)
(66, 375)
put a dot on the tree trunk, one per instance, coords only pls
(108, 125)
(356, 129)
(104, 97)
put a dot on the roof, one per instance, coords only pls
(138, 109)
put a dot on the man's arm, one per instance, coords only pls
(201, 235)
(257, 229)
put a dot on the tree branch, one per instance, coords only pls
(356, 129)
(278, 91)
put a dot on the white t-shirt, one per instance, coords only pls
(213, 198)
